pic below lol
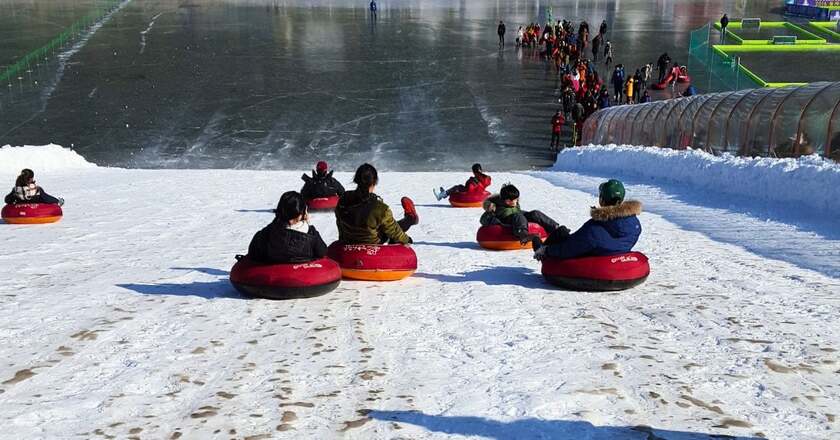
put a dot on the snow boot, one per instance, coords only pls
(440, 195)
(409, 210)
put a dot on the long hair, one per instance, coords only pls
(290, 206)
(25, 176)
(365, 177)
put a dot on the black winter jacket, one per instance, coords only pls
(316, 186)
(276, 244)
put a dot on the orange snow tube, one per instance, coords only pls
(471, 199)
(501, 238)
(31, 213)
(374, 262)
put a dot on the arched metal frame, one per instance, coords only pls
(758, 121)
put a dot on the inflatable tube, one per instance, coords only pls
(606, 273)
(31, 213)
(472, 199)
(374, 262)
(322, 203)
(501, 238)
(285, 281)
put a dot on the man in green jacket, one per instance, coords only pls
(504, 209)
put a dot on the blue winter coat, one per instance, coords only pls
(612, 230)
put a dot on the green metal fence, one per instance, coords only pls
(71, 34)
(723, 71)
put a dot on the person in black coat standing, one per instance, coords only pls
(501, 31)
(289, 238)
(724, 22)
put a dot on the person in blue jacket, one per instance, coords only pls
(613, 228)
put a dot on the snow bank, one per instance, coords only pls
(810, 181)
(41, 158)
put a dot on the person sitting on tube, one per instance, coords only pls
(613, 228)
(503, 209)
(321, 183)
(289, 238)
(475, 184)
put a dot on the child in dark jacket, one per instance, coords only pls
(289, 238)
(503, 209)
(321, 183)
(27, 191)
(613, 228)
(477, 183)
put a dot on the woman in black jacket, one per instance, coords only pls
(289, 238)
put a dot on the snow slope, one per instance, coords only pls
(42, 159)
(119, 321)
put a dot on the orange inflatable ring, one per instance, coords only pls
(602, 273)
(322, 203)
(374, 262)
(31, 213)
(501, 238)
(472, 199)
(285, 281)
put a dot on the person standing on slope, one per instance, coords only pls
(363, 218)
(373, 9)
(608, 53)
(603, 29)
(478, 183)
(501, 31)
(556, 128)
(613, 228)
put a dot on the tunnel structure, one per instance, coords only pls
(777, 122)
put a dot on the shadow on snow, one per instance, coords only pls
(538, 428)
(220, 288)
(493, 276)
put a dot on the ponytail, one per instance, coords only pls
(365, 177)
(25, 175)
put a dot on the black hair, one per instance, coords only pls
(476, 168)
(290, 206)
(509, 192)
(365, 177)
(25, 175)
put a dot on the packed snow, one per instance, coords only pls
(809, 182)
(120, 321)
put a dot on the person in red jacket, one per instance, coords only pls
(477, 183)
(556, 127)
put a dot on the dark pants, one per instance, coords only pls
(519, 222)
(661, 73)
(555, 139)
(456, 189)
(405, 224)
(501, 40)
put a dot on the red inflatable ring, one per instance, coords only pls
(374, 262)
(322, 203)
(285, 281)
(471, 199)
(612, 272)
(501, 238)
(31, 213)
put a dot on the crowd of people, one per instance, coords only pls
(574, 53)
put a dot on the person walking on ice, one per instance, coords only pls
(501, 31)
(373, 9)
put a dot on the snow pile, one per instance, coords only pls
(42, 158)
(810, 181)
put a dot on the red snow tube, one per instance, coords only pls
(374, 262)
(611, 272)
(322, 203)
(501, 238)
(31, 213)
(470, 199)
(285, 281)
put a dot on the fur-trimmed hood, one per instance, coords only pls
(624, 209)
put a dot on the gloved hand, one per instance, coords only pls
(539, 254)
(563, 231)
(490, 207)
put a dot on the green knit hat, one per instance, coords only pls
(611, 192)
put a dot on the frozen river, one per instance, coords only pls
(280, 84)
